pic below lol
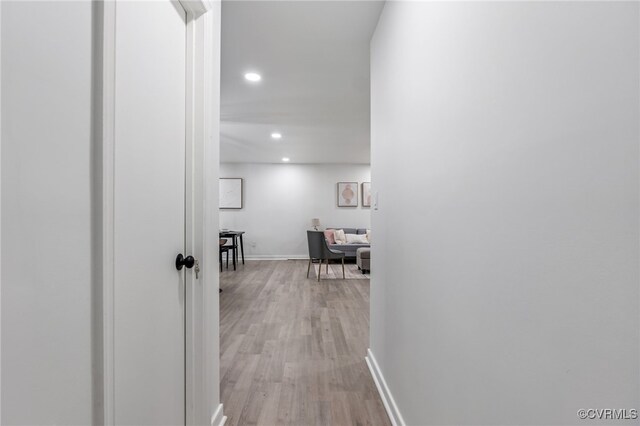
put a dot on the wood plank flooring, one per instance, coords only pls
(292, 349)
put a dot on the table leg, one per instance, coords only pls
(242, 248)
(235, 251)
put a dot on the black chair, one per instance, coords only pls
(319, 250)
(232, 247)
(223, 249)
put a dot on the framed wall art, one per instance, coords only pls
(231, 193)
(366, 194)
(347, 194)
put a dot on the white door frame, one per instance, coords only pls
(0, 202)
(201, 210)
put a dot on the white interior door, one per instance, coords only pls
(149, 213)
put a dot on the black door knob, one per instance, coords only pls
(181, 261)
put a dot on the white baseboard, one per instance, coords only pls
(276, 256)
(384, 391)
(218, 418)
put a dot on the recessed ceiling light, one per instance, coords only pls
(253, 77)
(286, 159)
(276, 135)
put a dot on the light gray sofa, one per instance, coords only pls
(349, 249)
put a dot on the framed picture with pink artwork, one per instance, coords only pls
(366, 194)
(347, 194)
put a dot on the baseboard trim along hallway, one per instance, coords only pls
(384, 391)
(218, 418)
(277, 257)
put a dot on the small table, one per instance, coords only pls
(234, 235)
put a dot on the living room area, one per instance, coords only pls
(281, 202)
(295, 198)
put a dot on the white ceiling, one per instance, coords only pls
(314, 60)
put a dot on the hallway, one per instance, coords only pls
(292, 349)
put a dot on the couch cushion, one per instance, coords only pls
(347, 230)
(357, 239)
(348, 249)
(329, 235)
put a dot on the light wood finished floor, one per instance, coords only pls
(292, 349)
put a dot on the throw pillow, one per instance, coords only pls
(369, 235)
(356, 239)
(330, 236)
(339, 236)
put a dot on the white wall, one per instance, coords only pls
(281, 199)
(46, 213)
(51, 318)
(505, 153)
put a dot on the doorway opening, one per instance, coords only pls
(295, 213)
